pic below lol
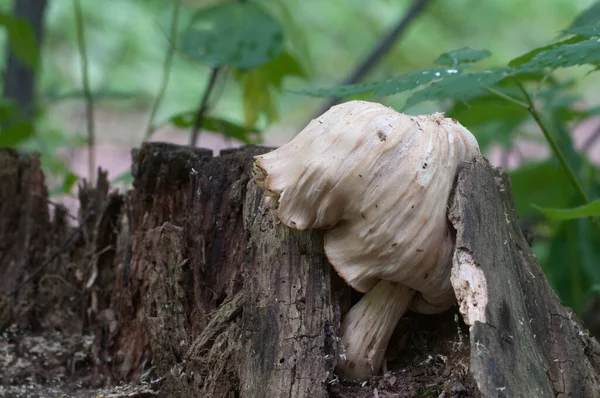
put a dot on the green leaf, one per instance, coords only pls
(572, 265)
(565, 55)
(490, 118)
(413, 80)
(486, 108)
(22, 39)
(587, 30)
(15, 132)
(527, 57)
(461, 56)
(69, 180)
(257, 97)
(382, 88)
(241, 133)
(461, 87)
(242, 35)
(340, 91)
(592, 209)
(543, 183)
(185, 120)
(587, 16)
(281, 67)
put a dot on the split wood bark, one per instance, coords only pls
(524, 343)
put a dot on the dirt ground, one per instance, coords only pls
(429, 359)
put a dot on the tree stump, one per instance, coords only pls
(189, 286)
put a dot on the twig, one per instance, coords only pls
(60, 250)
(204, 105)
(89, 101)
(166, 69)
(557, 152)
(381, 49)
(506, 97)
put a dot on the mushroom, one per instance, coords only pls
(378, 181)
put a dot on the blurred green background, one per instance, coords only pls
(322, 42)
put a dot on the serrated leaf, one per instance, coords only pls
(592, 209)
(587, 30)
(565, 55)
(242, 35)
(382, 88)
(461, 87)
(527, 57)
(22, 39)
(587, 16)
(461, 56)
(340, 91)
(413, 80)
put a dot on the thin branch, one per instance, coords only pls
(557, 152)
(89, 101)
(165, 70)
(204, 105)
(506, 97)
(382, 48)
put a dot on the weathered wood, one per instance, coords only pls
(528, 344)
(216, 288)
(292, 311)
(190, 281)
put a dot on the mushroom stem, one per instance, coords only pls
(367, 328)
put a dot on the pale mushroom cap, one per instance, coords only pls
(379, 181)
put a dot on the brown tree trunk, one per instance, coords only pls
(189, 286)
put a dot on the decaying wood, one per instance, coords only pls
(190, 286)
(528, 344)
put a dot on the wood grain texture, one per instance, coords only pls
(531, 345)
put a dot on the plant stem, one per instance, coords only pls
(89, 101)
(204, 105)
(165, 71)
(506, 97)
(557, 152)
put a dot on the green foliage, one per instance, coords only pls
(242, 35)
(460, 87)
(260, 84)
(461, 56)
(21, 38)
(491, 119)
(564, 55)
(69, 180)
(185, 120)
(15, 127)
(592, 209)
(413, 80)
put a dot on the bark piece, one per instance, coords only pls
(291, 312)
(528, 344)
